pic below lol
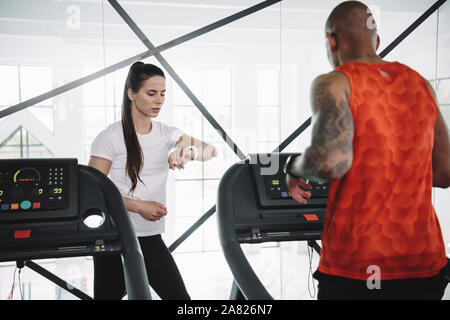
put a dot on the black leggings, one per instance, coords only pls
(162, 272)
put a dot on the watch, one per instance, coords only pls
(288, 167)
(194, 150)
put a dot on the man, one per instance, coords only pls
(380, 140)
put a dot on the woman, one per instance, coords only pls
(137, 153)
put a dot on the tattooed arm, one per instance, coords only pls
(330, 154)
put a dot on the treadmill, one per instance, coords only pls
(54, 208)
(253, 206)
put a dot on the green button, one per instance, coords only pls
(25, 205)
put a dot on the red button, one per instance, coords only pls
(311, 217)
(36, 205)
(14, 206)
(22, 234)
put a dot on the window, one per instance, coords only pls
(443, 96)
(102, 101)
(20, 83)
(196, 187)
(268, 131)
(22, 144)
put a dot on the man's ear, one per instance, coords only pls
(332, 43)
(130, 94)
(378, 42)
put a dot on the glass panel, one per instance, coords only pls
(443, 95)
(223, 116)
(208, 268)
(188, 200)
(172, 18)
(14, 139)
(35, 81)
(193, 79)
(195, 242)
(44, 115)
(266, 262)
(268, 124)
(422, 59)
(9, 85)
(22, 144)
(211, 238)
(267, 81)
(102, 91)
(94, 122)
(10, 152)
(192, 170)
(267, 146)
(217, 166)
(188, 119)
(217, 87)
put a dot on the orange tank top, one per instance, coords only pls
(380, 213)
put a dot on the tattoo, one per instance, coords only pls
(330, 154)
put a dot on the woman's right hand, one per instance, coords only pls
(152, 211)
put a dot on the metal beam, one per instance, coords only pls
(143, 55)
(177, 78)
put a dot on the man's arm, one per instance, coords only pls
(330, 154)
(441, 149)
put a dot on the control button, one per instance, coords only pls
(25, 205)
(36, 205)
(311, 217)
(5, 207)
(14, 206)
(22, 234)
(284, 194)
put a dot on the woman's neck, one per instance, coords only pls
(142, 123)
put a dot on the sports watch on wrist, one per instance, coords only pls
(288, 167)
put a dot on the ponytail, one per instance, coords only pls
(138, 73)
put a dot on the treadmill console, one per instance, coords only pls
(270, 178)
(253, 201)
(38, 189)
(46, 209)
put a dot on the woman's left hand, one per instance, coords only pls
(179, 157)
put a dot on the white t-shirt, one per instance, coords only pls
(110, 145)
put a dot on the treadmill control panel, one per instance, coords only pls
(276, 187)
(26, 189)
(271, 183)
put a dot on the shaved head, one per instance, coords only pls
(351, 16)
(353, 28)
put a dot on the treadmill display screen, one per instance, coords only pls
(276, 187)
(27, 189)
(270, 181)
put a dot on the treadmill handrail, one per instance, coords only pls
(136, 281)
(244, 275)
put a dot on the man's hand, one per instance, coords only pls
(151, 210)
(296, 188)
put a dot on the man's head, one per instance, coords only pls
(351, 33)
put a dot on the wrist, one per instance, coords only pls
(288, 168)
(194, 152)
(138, 206)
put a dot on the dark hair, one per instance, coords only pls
(138, 73)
